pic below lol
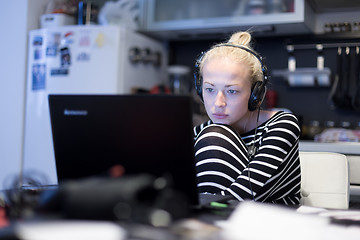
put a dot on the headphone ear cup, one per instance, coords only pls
(197, 76)
(257, 95)
(198, 83)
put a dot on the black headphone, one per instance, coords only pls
(258, 90)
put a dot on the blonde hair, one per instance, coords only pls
(236, 54)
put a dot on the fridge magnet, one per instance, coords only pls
(59, 72)
(51, 51)
(53, 44)
(65, 56)
(68, 38)
(99, 40)
(37, 53)
(83, 57)
(84, 40)
(38, 76)
(38, 40)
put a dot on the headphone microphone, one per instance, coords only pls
(252, 150)
(258, 89)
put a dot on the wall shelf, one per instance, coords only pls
(305, 77)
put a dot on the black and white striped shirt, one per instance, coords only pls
(271, 175)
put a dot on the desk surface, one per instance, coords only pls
(250, 220)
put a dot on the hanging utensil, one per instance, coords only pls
(356, 97)
(352, 83)
(347, 69)
(334, 96)
(341, 97)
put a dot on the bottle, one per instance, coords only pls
(179, 79)
(320, 57)
(329, 124)
(314, 129)
(345, 124)
(291, 59)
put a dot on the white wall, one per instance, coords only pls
(16, 19)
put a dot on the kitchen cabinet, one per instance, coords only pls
(206, 18)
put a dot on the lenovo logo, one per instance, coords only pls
(75, 112)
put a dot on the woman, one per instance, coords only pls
(242, 150)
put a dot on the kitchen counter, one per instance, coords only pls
(347, 148)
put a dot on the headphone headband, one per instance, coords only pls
(259, 57)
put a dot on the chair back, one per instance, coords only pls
(324, 180)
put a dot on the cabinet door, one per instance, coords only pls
(214, 15)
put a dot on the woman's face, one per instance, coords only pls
(226, 91)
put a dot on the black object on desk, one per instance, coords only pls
(134, 198)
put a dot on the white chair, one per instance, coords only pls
(324, 180)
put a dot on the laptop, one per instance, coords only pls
(143, 133)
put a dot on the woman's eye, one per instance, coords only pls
(209, 90)
(231, 91)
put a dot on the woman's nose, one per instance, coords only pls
(220, 99)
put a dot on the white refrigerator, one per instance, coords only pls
(88, 59)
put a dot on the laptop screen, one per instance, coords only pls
(143, 133)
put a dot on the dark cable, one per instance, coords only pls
(252, 151)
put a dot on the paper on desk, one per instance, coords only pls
(258, 221)
(353, 215)
(69, 230)
(310, 210)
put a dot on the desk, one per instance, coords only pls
(250, 220)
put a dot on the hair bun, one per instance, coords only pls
(241, 38)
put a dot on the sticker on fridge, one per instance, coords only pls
(38, 40)
(84, 46)
(38, 76)
(83, 57)
(53, 44)
(37, 53)
(65, 57)
(37, 43)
